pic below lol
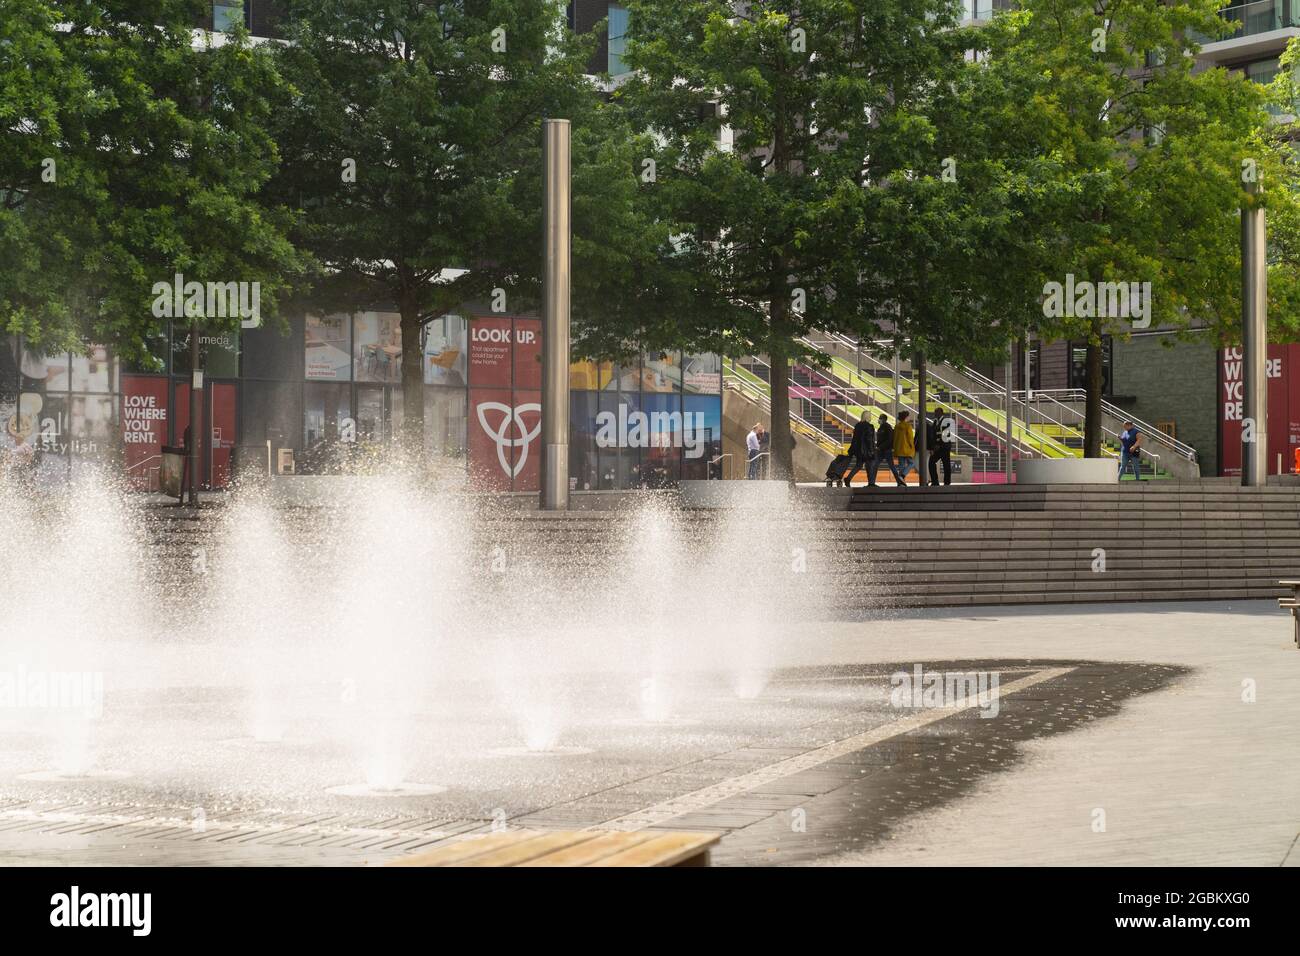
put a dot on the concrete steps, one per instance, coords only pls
(955, 546)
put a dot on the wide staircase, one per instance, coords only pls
(845, 379)
(1172, 540)
(981, 544)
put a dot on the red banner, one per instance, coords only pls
(144, 428)
(491, 344)
(528, 353)
(1283, 422)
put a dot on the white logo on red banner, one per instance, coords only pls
(510, 418)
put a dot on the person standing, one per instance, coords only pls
(1130, 440)
(862, 449)
(753, 444)
(885, 446)
(940, 447)
(904, 448)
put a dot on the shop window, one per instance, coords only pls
(94, 371)
(444, 421)
(377, 347)
(661, 372)
(326, 348)
(702, 374)
(445, 357)
(370, 414)
(584, 454)
(703, 444)
(325, 409)
(275, 351)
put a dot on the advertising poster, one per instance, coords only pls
(490, 352)
(528, 353)
(494, 435)
(528, 456)
(144, 428)
(326, 345)
(1283, 408)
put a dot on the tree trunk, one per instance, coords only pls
(781, 464)
(1092, 405)
(411, 437)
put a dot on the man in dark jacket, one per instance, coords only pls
(937, 437)
(885, 446)
(862, 449)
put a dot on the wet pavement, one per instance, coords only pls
(1167, 736)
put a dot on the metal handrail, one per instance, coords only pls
(725, 454)
(764, 401)
(1114, 411)
(843, 421)
(978, 423)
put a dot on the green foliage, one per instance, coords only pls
(1137, 156)
(160, 148)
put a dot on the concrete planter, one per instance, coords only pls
(1067, 471)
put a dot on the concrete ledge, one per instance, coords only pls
(1067, 471)
(316, 491)
(734, 494)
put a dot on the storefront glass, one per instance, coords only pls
(377, 347)
(326, 348)
(445, 356)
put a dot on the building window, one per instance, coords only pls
(1079, 365)
(227, 16)
(618, 20)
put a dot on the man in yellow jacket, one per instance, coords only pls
(904, 447)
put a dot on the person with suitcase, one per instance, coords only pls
(862, 449)
(835, 473)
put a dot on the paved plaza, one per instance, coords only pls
(1116, 735)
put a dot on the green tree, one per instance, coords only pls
(1141, 167)
(822, 100)
(413, 142)
(130, 153)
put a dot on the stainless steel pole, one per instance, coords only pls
(558, 237)
(1011, 351)
(1254, 341)
(896, 388)
(922, 420)
(196, 412)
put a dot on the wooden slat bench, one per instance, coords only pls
(1292, 604)
(569, 848)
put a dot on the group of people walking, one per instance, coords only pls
(895, 447)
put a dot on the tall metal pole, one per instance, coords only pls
(1011, 351)
(896, 388)
(558, 236)
(922, 419)
(1254, 341)
(196, 384)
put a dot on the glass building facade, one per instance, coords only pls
(310, 395)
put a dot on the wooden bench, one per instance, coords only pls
(569, 848)
(1292, 604)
